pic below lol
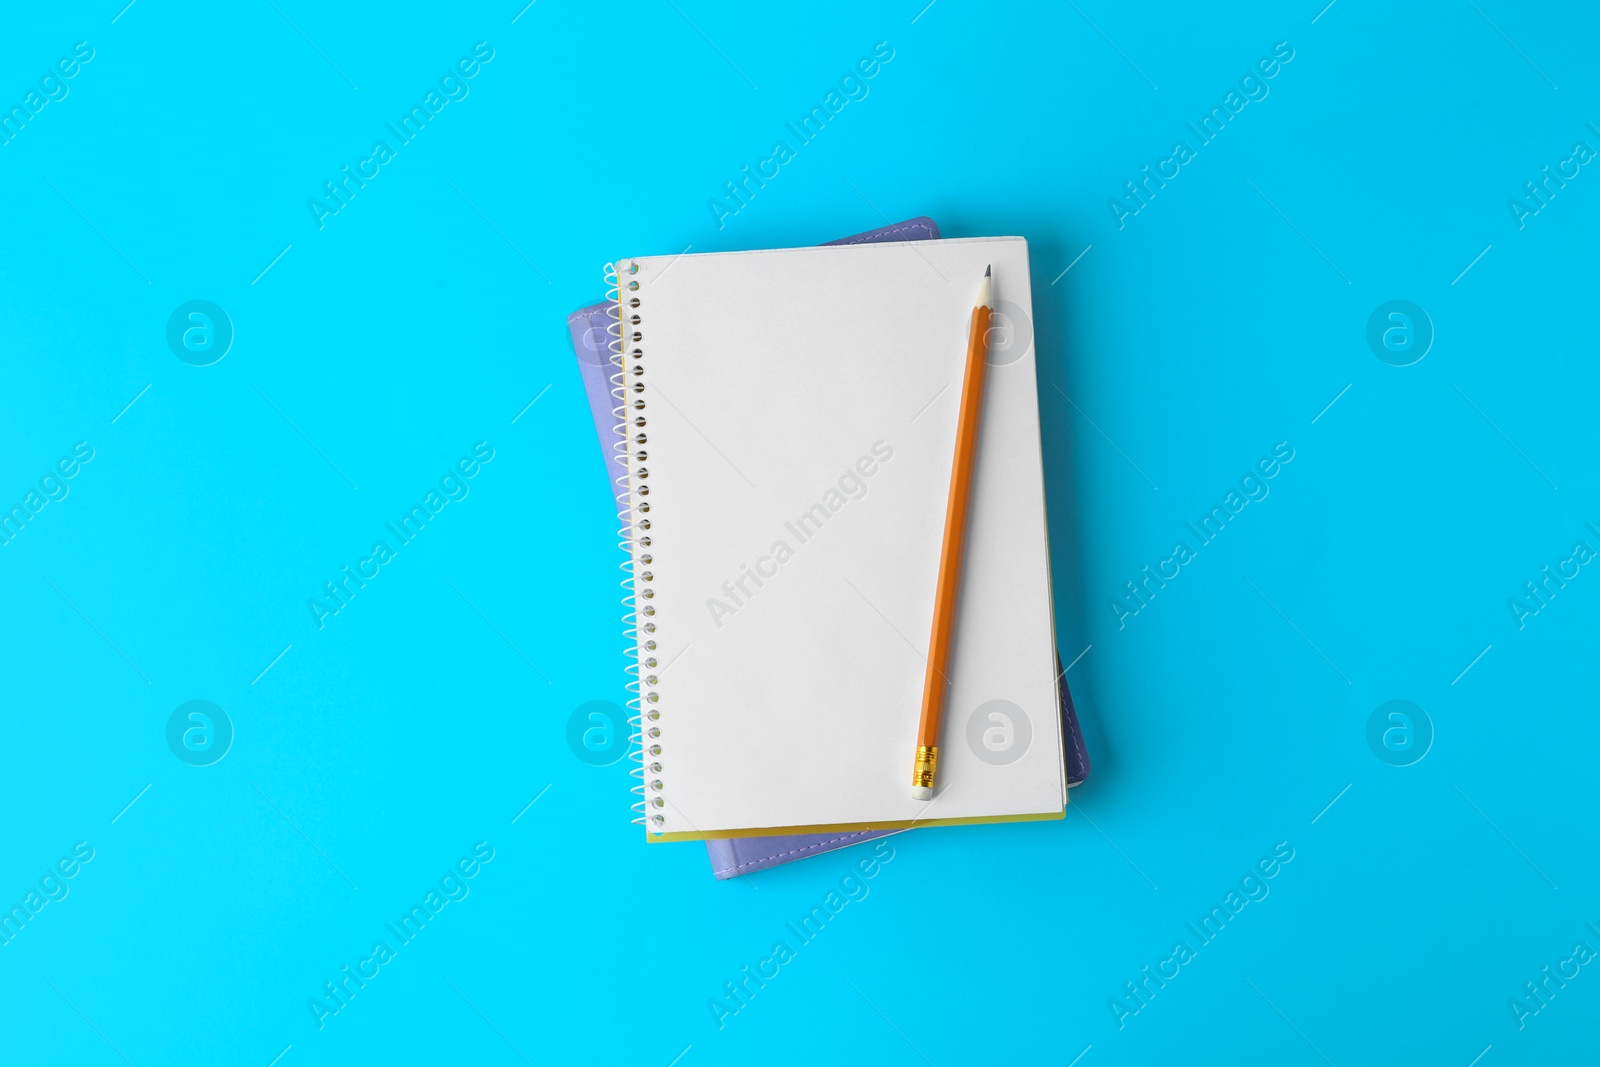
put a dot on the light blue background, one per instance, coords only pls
(426, 715)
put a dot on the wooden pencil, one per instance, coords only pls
(937, 680)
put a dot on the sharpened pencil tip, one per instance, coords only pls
(986, 288)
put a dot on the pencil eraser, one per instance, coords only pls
(921, 792)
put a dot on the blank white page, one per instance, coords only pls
(800, 413)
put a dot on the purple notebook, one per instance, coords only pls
(742, 855)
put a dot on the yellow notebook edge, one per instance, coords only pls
(830, 828)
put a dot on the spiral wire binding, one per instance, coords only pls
(634, 539)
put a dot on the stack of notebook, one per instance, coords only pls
(783, 424)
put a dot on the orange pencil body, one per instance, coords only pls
(937, 680)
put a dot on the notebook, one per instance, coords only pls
(733, 857)
(785, 409)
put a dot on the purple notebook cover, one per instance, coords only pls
(742, 855)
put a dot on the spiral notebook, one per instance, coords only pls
(783, 410)
(589, 329)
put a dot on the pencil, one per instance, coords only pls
(937, 680)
